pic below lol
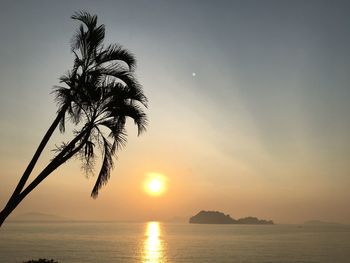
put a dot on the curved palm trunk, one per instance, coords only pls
(56, 162)
(11, 202)
(61, 158)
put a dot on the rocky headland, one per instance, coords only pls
(215, 217)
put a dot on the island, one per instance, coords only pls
(215, 217)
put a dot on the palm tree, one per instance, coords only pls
(100, 93)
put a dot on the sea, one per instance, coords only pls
(156, 242)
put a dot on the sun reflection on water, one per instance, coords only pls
(153, 247)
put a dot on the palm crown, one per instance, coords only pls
(101, 93)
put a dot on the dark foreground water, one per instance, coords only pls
(155, 242)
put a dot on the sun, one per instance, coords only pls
(155, 184)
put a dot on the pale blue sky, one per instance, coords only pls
(266, 116)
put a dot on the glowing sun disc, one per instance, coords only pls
(155, 184)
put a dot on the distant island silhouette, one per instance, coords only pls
(215, 217)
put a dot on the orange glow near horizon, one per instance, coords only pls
(155, 184)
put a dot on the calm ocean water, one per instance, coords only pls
(155, 242)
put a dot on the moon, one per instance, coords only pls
(194, 74)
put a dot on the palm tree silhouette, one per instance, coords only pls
(100, 93)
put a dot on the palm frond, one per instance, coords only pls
(87, 157)
(77, 40)
(122, 76)
(116, 52)
(139, 116)
(89, 20)
(63, 99)
(106, 167)
(89, 42)
(119, 91)
(95, 38)
(117, 132)
(89, 149)
(133, 111)
(75, 113)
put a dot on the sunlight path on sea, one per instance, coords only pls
(153, 246)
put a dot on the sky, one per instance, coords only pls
(260, 129)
